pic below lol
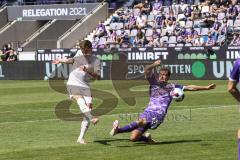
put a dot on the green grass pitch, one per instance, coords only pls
(202, 127)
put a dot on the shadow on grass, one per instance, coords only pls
(178, 141)
(108, 142)
(166, 142)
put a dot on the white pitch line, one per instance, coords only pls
(56, 119)
(6, 112)
(209, 107)
(186, 109)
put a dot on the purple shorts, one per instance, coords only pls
(153, 119)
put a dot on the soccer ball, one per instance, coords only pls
(45, 78)
(177, 94)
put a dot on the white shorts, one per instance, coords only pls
(81, 91)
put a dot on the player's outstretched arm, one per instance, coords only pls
(233, 90)
(199, 88)
(148, 68)
(67, 61)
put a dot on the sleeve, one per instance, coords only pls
(74, 58)
(152, 79)
(234, 76)
(179, 86)
(79, 53)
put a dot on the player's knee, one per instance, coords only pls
(135, 135)
(134, 138)
(89, 105)
(142, 122)
(76, 97)
(86, 123)
(82, 105)
(86, 119)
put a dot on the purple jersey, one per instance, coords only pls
(188, 11)
(235, 41)
(235, 73)
(160, 19)
(101, 27)
(184, 33)
(132, 20)
(160, 98)
(233, 10)
(94, 44)
(157, 6)
(224, 29)
(211, 41)
(217, 25)
(192, 33)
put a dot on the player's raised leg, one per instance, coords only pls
(88, 100)
(128, 128)
(85, 108)
(136, 128)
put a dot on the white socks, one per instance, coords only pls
(84, 128)
(86, 120)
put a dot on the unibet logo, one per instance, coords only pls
(198, 69)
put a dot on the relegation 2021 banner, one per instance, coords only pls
(50, 12)
(128, 64)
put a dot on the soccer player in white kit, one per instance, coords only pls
(85, 67)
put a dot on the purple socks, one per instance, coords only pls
(128, 128)
(143, 138)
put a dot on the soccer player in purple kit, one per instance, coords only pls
(234, 80)
(156, 110)
(232, 88)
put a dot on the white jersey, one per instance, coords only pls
(81, 78)
(79, 53)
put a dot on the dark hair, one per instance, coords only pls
(5, 47)
(85, 44)
(167, 70)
